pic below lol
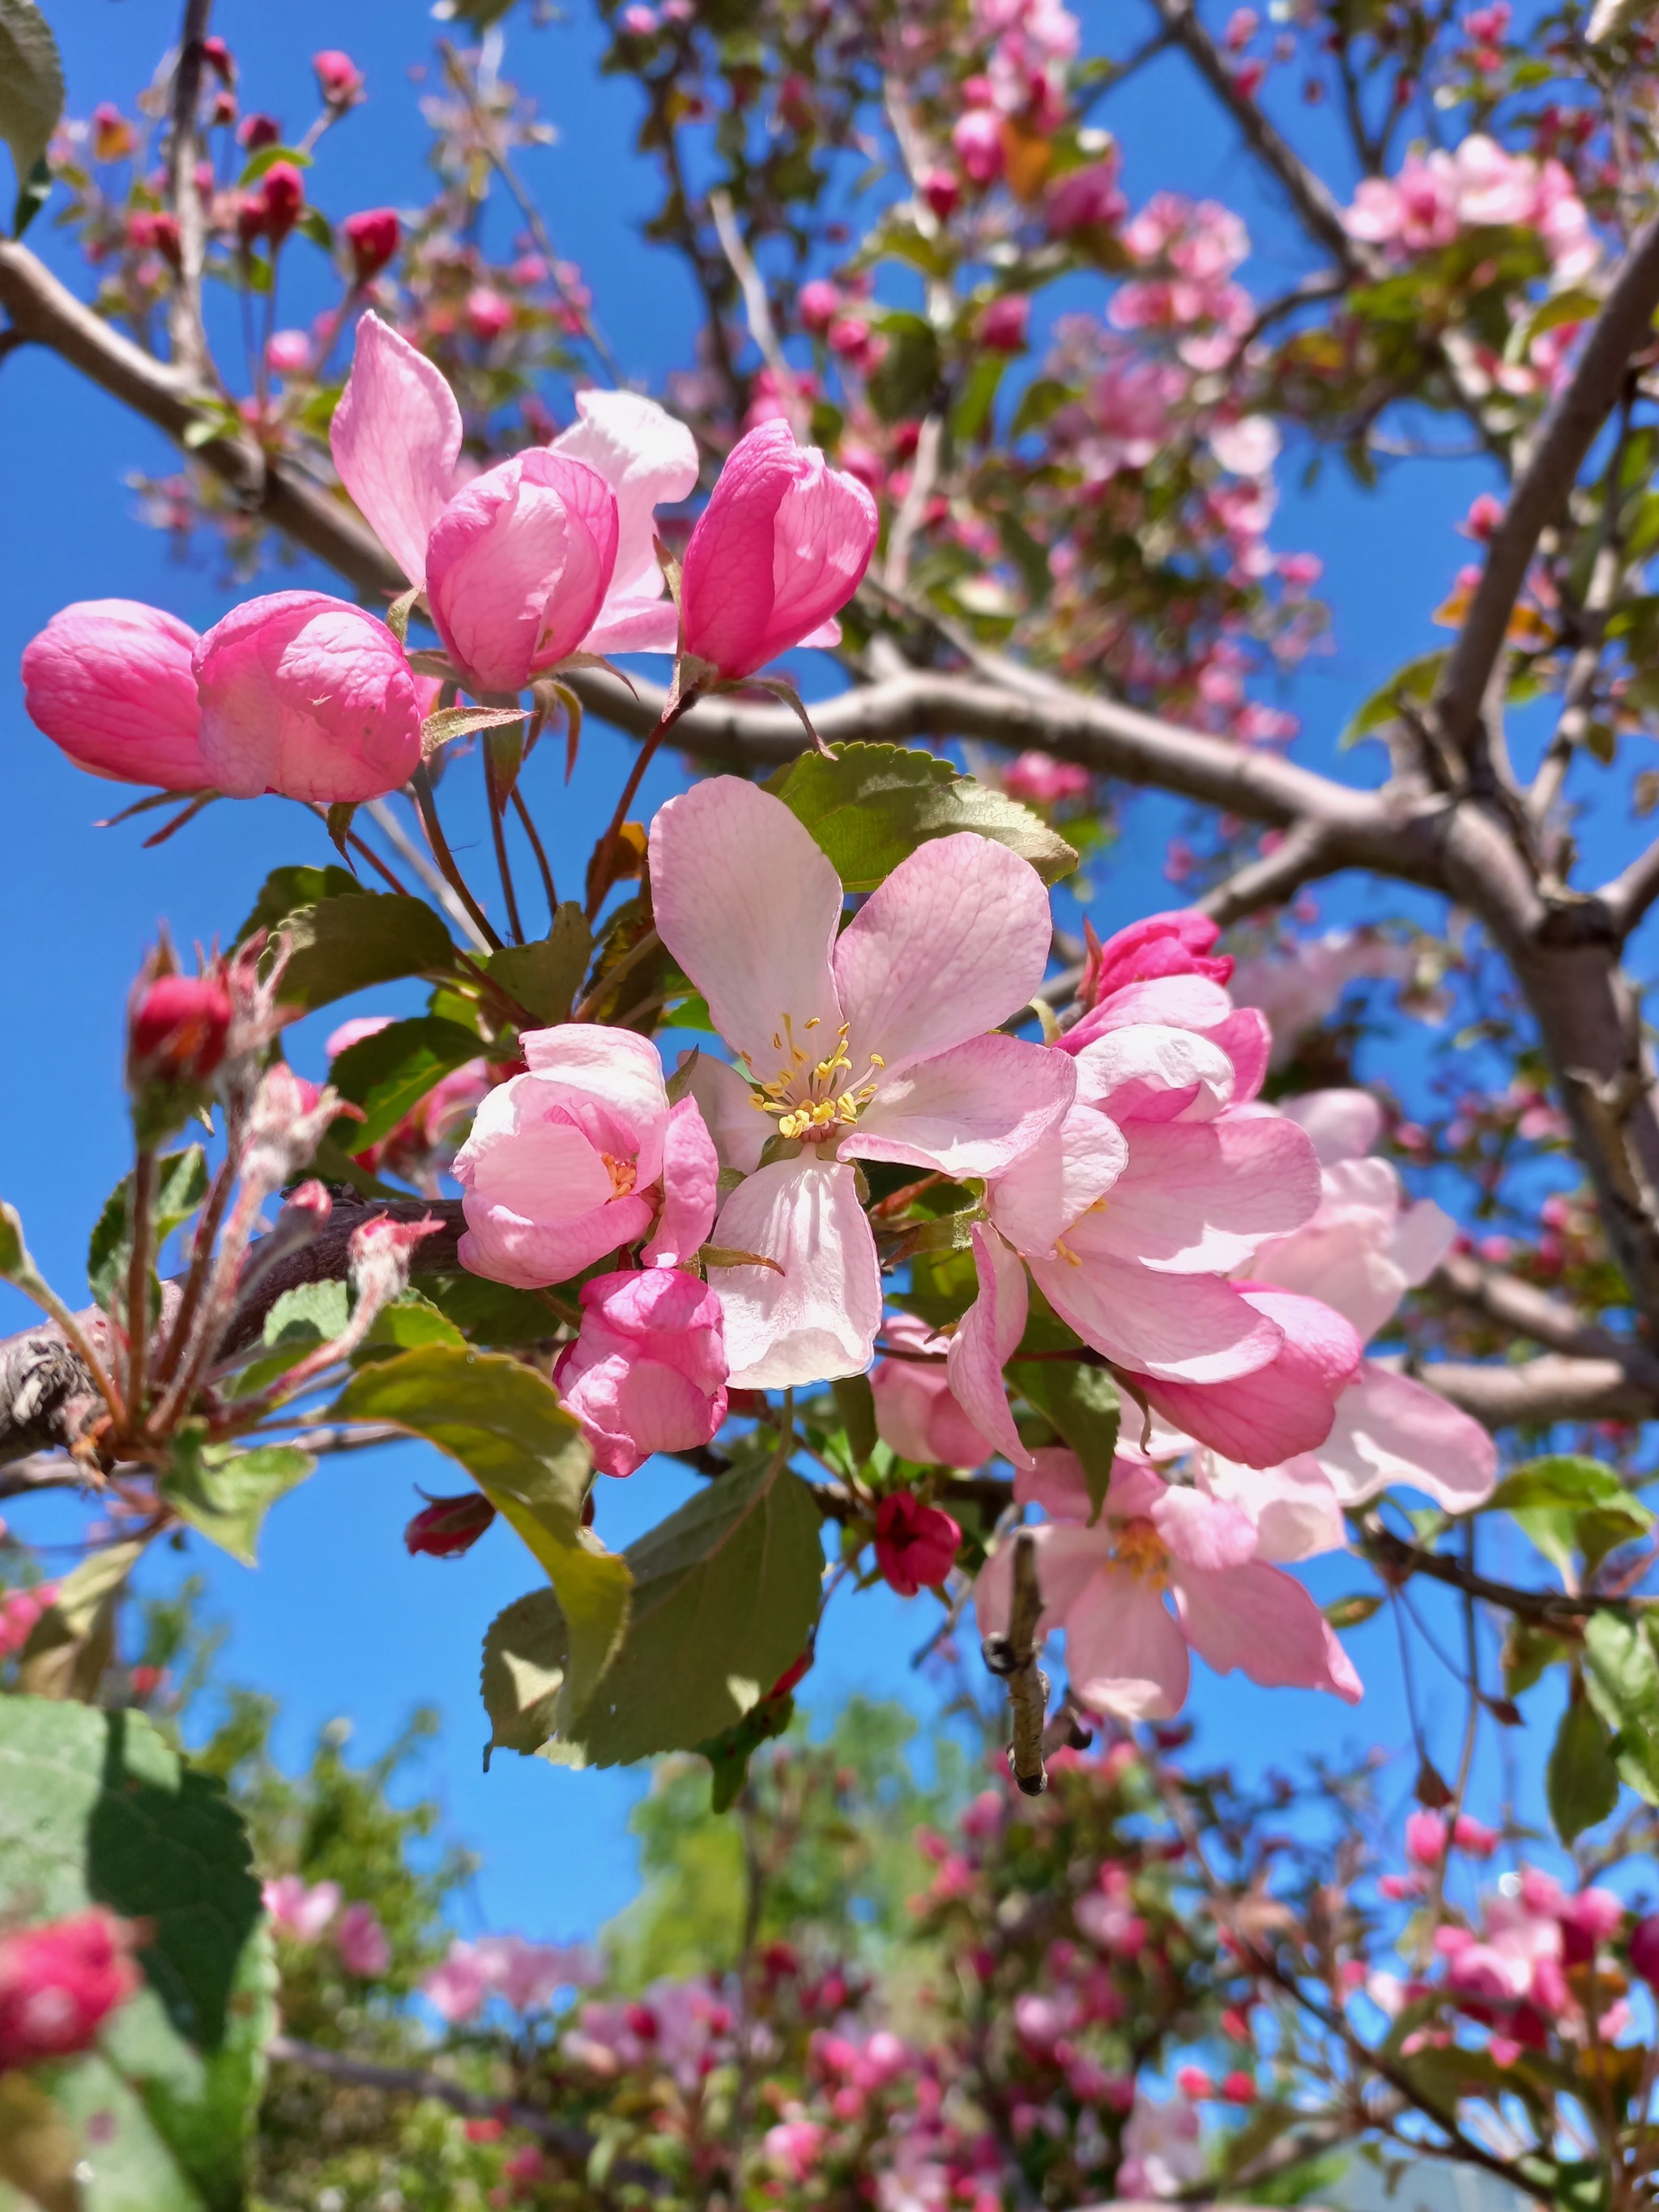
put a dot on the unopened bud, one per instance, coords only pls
(445, 1527)
(1644, 1951)
(282, 195)
(339, 80)
(379, 1255)
(177, 1029)
(373, 236)
(217, 56)
(254, 131)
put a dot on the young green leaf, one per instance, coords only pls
(546, 976)
(224, 1493)
(285, 890)
(343, 945)
(390, 1072)
(1581, 1780)
(31, 91)
(1621, 1674)
(1083, 1404)
(181, 1184)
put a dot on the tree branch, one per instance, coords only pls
(1525, 1311)
(1630, 895)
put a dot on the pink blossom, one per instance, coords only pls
(1162, 2153)
(361, 1941)
(338, 78)
(776, 553)
(1249, 447)
(459, 1987)
(1301, 985)
(1177, 943)
(1041, 780)
(1085, 199)
(647, 1371)
(111, 682)
(306, 695)
(396, 438)
(867, 1042)
(372, 237)
(59, 1983)
(917, 1414)
(1426, 1837)
(977, 140)
(793, 2147)
(302, 1910)
(288, 353)
(19, 1611)
(1485, 512)
(560, 1161)
(527, 1975)
(1106, 1585)
(916, 1545)
(1279, 1410)
(818, 303)
(1002, 326)
(942, 190)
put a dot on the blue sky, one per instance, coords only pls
(337, 1620)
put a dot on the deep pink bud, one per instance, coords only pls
(1085, 199)
(1003, 324)
(254, 131)
(306, 695)
(647, 1372)
(59, 1983)
(779, 549)
(177, 1028)
(489, 312)
(338, 78)
(281, 196)
(916, 1545)
(373, 236)
(818, 303)
(1644, 1951)
(1426, 1838)
(216, 54)
(111, 682)
(942, 190)
(977, 139)
(449, 1526)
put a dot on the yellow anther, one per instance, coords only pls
(816, 1019)
(1140, 1549)
(1064, 1252)
(876, 1060)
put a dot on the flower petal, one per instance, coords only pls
(691, 1184)
(1176, 1002)
(617, 1068)
(395, 437)
(1264, 1623)
(1296, 1513)
(634, 625)
(1284, 1409)
(1200, 1197)
(953, 942)
(1188, 1328)
(1391, 1430)
(1152, 1072)
(1036, 1200)
(1343, 1125)
(749, 905)
(985, 1338)
(1204, 1532)
(649, 459)
(970, 1111)
(818, 1318)
(1125, 1653)
(1067, 1558)
(727, 1101)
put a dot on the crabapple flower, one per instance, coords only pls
(867, 1042)
(373, 236)
(917, 1413)
(1163, 2155)
(306, 695)
(556, 1170)
(178, 1029)
(1126, 1652)
(58, 1984)
(517, 567)
(361, 1941)
(647, 1371)
(777, 552)
(396, 439)
(110, 682)
(916, 1545)
(1288, 1407)
(302, 1910)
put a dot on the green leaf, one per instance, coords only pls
(1560, 1479)
(855, 1401)
(343, 945)
(504, 1423)
(73, 1641)
(17, 1263)
(309, 1313)
(525, 1655)
(392, 1071)
(1566, 1506)
(970, 418)
(1581, 1779)
(31, 91)
(1043, 396)
(730, 1753)
(447, 722)
(285, 890)
(267, 158)
(313, 224)
(725, 1599)
(1083, 1404)
(1621, 1674)
(1351, 1612)
(224, 1492)
(410, 1321)
(869, 806)
(906, 381)
(96, 1809)
(1411, 685)
(546, 976)
(181, 1184)
(490, 1313)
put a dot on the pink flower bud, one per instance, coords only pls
(373, 235)
(517, 566)
(1003, 324)
(306, 695)
(1085, 199)
(977, 139)
(647, 1372)
(216, 54)
(281, 196)
(254, 131)
(339, 80)
(916, 1545)
(1426, 1838)
(110, 681)
(447, 1527)
(1644, 1951)
(288, 353)
(942, 190)
(817, 304)
(177, 1028)
(361, 1941)
(59, 1983)
(378, 1259)
(777, 551)
(489, 312)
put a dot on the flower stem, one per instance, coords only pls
(421, 784)
(598, 873)
(143, 1197)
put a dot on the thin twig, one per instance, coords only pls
(1013, 1657)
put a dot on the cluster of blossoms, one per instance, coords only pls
(1479, 185)
(527, 1977)
(59, 1983)
(305, 1913)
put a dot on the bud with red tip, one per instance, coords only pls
(254, 131)
(916, 1545)
(338, 78)
(373, 236)
(1644, 1951)
(59, 1983)
(447, 1527)
(178, 1031)
(281, 198)
(216, 54)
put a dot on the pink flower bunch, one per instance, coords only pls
(305, 1913)
(19, 1611)
(1031, 43)
(1437, 195)
(1041, 780)
(60, 1983)
(683, 2029)
(1195, 245)
(419, 1148)
(526, 1976)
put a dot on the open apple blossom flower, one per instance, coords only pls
(110, 682)
(777, 552)
(1126, 1652)
(396, 439)
(647, 1371)
(307, 696)
(868, 1043)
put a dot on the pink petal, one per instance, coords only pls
(649, 461)
(1181, 1328)
(1203, 1532)
(631, 1407)
(634, 625)
(906, 1394)
(1264, 1622)
(1068, 1559)
(1284, 1409)
(727, 1101)
(1390, 1430)
(690, 1182)
(395, 437)
(818, 1318)
(111, 682)
(748, 904)
(1296, 1511)
(985, 1340)
(1247, 1040)
(538, 1198)
(1151, 1072)
(1124, 1653)
(1035, 1200)
(952, 943)
(970, 1111)
(517, 566)
(1053, 1479)
(1343, 1125)
(617, 1068)
(1199, 1197)
(1176, 1002)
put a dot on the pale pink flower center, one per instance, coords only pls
(1140, 1551)
(813, 1099)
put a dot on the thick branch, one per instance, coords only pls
(1525, 1311)
(1630, 895)
(1568, 430)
